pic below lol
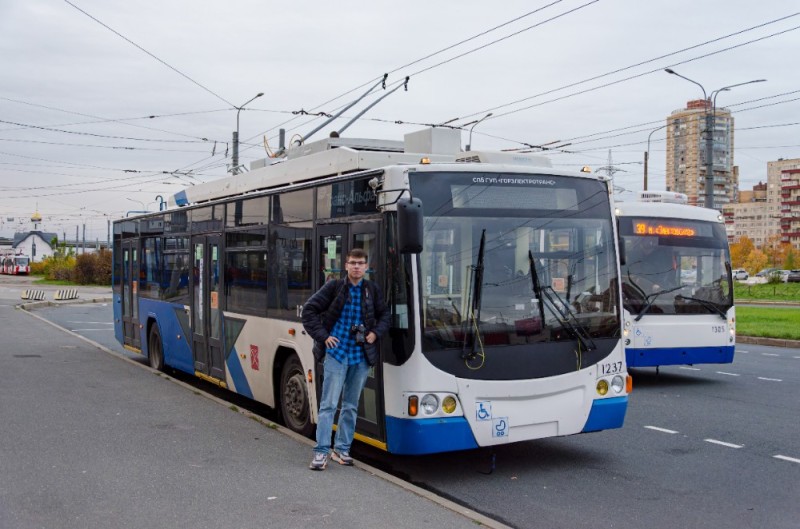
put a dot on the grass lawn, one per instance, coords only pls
(43, 281)
(768, 322)
(767, 292)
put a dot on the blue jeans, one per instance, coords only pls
(347, 382)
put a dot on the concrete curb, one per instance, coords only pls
(38, 304)
(473, 516)
(775, 342)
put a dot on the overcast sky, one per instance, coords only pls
(79, 81)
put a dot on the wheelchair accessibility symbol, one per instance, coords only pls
(500, 427)
(483, 410)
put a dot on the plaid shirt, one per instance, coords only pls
(348, 352)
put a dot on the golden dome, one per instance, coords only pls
(36, 217)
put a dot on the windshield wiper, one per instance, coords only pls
(651, 298)
(707, 304)
(537, 289)
(474, 304)
(576, 329)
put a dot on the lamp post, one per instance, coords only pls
(144, 208)
(710, 111)
(469, 144)
(647, 152)
(235, 158)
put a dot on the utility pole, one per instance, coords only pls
(235, 157)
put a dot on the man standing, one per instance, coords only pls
(345, 318)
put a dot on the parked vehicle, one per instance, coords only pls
(793, 276)
(740, 274)
(766, 272)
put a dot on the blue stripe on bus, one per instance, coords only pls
(237, 375)
(606, 414)
(117, 309)
(428, 436)
(671, 356)
(177, 352)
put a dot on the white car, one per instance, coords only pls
(740, 274)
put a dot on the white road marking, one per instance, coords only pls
(690, 368)
(94, 322)
(771, 379)
(722, 443)
(91, 330)
(741, 351)
(664, 430)
(770, 354)
(729, 374)
(786, 458)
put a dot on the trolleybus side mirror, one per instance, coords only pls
(409, 225)
(621, 251)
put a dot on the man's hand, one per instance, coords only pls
(371, 337)
(331, 342)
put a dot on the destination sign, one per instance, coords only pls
(647, 228)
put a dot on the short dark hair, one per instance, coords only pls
(358, 253)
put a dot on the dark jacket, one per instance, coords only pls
(322, 311)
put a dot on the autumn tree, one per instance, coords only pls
(789, 260)
(740, 252)
(775, 250)
(756, 260)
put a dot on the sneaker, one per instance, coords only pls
(343, 458)
(319, 462)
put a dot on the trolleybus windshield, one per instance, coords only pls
(564, 223)
(675, 266)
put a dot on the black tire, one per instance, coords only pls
(294, 403)
(155, 349)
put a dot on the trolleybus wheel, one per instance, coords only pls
(155, 349)
(295, 407)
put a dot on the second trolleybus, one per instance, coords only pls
(500, 272)
(677, 284)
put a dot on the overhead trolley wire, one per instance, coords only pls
(151, 55)
(77, 133)
(123, 121)
(448, 60)
(655, 70)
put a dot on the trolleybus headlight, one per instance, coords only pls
(602, 386)
(429, 403)
(617, 383)
(449, 404)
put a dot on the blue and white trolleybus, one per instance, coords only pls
(500, 272)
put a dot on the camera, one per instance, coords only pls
(361, 333)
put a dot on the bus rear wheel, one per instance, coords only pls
(155, 349)
(294, 402)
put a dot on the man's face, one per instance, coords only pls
(356, 267)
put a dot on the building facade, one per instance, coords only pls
(686, 153)
(771, 209)
(790, 207)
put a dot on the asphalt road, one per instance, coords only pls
(702, 446)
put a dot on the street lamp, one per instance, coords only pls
(710, 118)
(144, 208)
(469, 144)
(647, 152)
(235, 159)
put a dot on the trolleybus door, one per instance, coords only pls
(333, 242)
(206, 310)
(130, 294)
